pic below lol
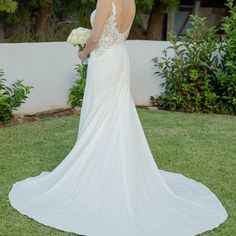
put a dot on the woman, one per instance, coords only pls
(109, 184)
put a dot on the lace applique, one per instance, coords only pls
(110, 34)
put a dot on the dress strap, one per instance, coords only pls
(113, 8)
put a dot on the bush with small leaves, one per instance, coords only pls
(76, 93)
(189, 75)
(11, 97)
(225, 82)
(202, 74)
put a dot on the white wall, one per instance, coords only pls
(144, 83)
(49, 67)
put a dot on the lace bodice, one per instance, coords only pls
(110, 34)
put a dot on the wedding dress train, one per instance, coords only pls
(109, 183)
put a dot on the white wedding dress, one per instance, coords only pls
(109, 183)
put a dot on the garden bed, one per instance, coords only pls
(26, 118)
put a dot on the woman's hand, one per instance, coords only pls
(82, 55)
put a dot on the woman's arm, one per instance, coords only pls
(103, 9)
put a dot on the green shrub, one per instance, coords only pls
(225, 84)
(76, 93)
(11, 98)
(202, 74)
(189, 74)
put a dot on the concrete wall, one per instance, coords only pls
(49, 67)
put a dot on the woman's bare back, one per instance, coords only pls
(125, 13)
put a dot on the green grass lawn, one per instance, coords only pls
(200, 146)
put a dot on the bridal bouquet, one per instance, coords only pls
(79, 37)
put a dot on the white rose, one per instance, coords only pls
(79, 36)
(69, 39)
(81, 39)
(74, 39)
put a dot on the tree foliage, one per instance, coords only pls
(50, 20)
(8, 6)
(171, 5)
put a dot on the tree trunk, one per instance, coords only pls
(1, 33)
(44, 17)
(196, 7)
(156, 21)
(170, 24)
